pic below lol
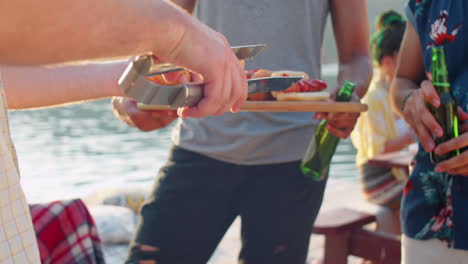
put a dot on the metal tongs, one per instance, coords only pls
(135, 84)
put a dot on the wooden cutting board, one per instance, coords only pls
(287, 106)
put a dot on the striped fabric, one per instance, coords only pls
(18, 243)
(380, 186)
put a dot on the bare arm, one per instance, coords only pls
(352, 41)
(30, 87)
(188, 5)
(409, 77)
(410, 70)
(42, 32)
(55, 30)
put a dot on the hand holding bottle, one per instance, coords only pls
(316, 161)
(457, 165)
(420, 118)
(340, 124)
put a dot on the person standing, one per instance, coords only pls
(380, 130)
(56, 32)
(247, 164)
(433, 211)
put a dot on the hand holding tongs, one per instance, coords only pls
(135, 84)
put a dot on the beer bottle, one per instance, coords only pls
(446, 113)
(322, 146)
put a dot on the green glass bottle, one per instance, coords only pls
(446, 113)
(317, 158)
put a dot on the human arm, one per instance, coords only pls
(41, 86)
(405, 88)
(410, 72)
(352, 38)
(127, 111)
(457, 165)
(352, 41)
(58, 31)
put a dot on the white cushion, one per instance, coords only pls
(131, 197)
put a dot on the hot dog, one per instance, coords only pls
(262, 73)
(304, 90)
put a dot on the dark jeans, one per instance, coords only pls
(197, 198)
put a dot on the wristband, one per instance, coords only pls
(403, 103)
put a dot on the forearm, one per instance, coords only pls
(40, 32)
(357, 70)
(31, 87)
(352, 42)
(398, 143)
(188, 5)
(400, 89)
(410, 70)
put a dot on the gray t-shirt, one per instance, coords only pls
(293, 30)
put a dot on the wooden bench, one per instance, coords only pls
(345, 235)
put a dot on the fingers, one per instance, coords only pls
(222, 72)
(127, 111)
(462, 115)
(340, 132)
(457, 165)
(177, 77)
(224, 89)
(320, 115)
(211, 102)
(453, 144)
(420, 118)
(122, 107)
(429, 93)
(240, 93)
(423, 134)
(152, 120)
(214, 76)
(195, 77)
(342, 124)
(463, 128)
(229, 83)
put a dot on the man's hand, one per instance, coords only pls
(127, 111)
(457, 165)
(340, 124)
(206, 52)
(418, 116)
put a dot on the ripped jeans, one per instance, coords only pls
(197, 198)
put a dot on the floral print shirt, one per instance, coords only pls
(435, 205)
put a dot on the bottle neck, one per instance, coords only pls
(346, 92)
(440, 78)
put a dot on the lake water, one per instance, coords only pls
(74, 150)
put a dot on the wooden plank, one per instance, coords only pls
(379, 247)
(340, 220)
(287, 106)
(337, 248)
(302, 106)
